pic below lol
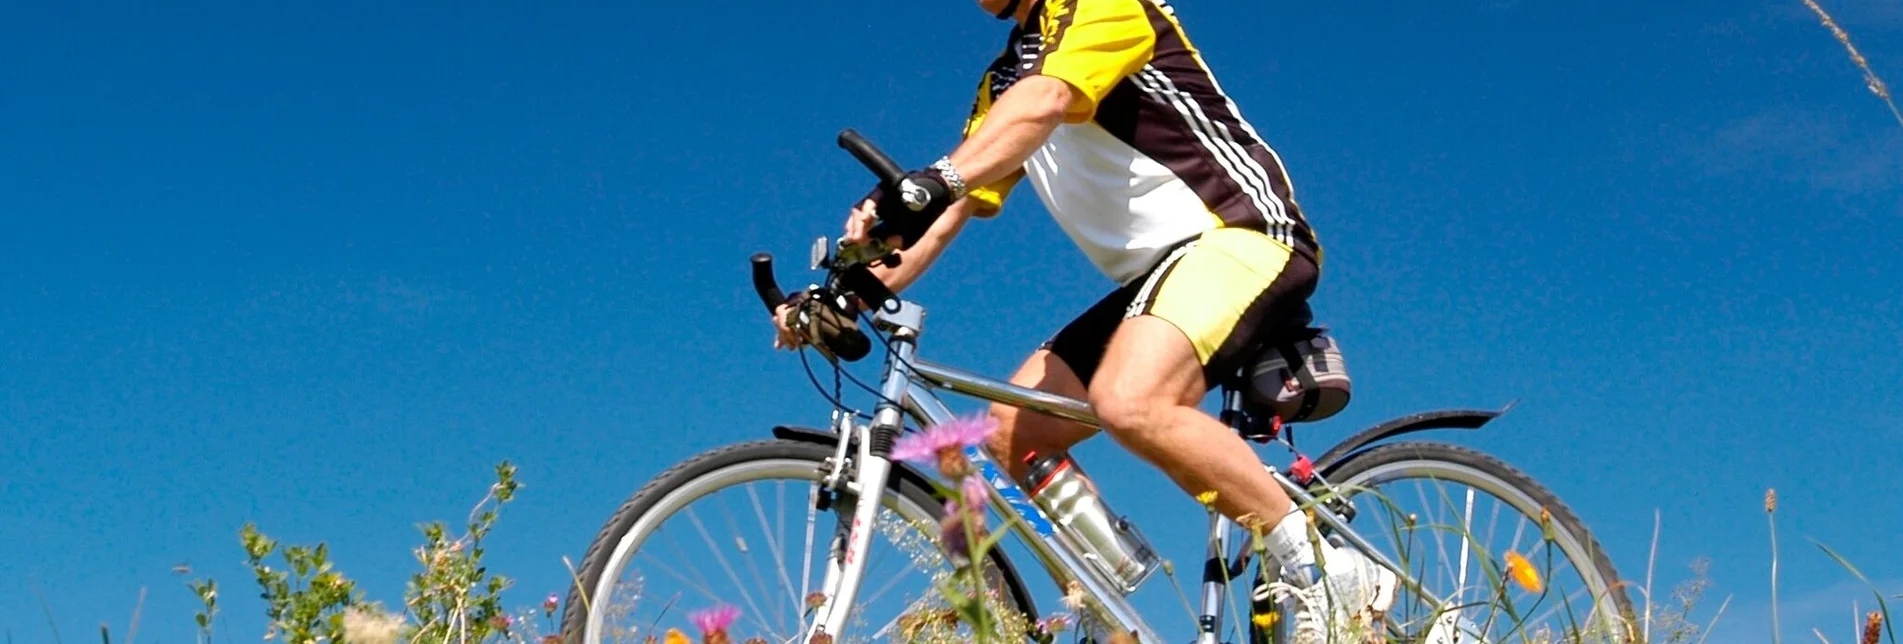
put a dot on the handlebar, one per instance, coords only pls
(763, 282)
(868, 154)
(838, 332)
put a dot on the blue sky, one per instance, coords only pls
(319, 267)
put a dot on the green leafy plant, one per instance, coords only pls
(305, 602)
(454, 598)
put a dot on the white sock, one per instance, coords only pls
(1288, 542)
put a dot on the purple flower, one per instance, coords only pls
(974, 492)
(549, 605)
(943, 444)
(951, 534)
(714, 620)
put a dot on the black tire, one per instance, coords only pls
(1361, 462)
(904, 481)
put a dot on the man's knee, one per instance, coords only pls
(1127, 409)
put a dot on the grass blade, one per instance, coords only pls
(1870, 79)
(1714, 620)
(48, 610)
(1770, 513)
(1882, 606)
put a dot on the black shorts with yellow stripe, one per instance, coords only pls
(1222, 289)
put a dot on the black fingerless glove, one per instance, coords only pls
(922, 196)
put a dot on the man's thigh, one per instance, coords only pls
(1217, 293)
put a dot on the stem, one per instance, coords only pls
(1777, 631)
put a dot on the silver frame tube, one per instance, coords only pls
(910, 381)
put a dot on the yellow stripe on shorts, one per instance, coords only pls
(1210, 285)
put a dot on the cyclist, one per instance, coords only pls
(1112, 115)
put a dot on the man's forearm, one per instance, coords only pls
(913, 261)
(1015, 126)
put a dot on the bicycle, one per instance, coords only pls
(836, 467)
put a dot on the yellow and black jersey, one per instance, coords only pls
(1152, 152)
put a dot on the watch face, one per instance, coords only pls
(819, 252)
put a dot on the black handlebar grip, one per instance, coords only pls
(763, 282)
(839, 333)
(850, 345)
(881, 165)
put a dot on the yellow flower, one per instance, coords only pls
(675, 636)
(1207, 498)
(1522, 572)
(1264, 620)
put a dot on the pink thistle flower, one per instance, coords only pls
(943, 444)
(974, 492)
(549, 605)
(713, 623)
(951, 530)
(951, 534)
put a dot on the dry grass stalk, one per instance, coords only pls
(1869, 77)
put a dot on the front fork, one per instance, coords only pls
(845, 569)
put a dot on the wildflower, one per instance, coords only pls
(943, 445)
(975, 492)
(1207, 498)
(1871, 624)
(1770, 500)
(371, 626)
(814, 600)
(1074, 596)
(501, 622)
(1522, 572)
(952, 535)
(820, 638)
(1263, 620)
(674, 636)
(1053, 624)
(713, 623)
(548, 605)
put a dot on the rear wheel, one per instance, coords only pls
(738, 526)
(1512, 562)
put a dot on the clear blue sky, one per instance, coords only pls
(320, 265)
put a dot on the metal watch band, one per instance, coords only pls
(957, 183)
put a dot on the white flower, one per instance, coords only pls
(369, 625)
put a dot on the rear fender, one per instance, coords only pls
(1442, 419)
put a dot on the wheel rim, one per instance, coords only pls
(1455, 526)
(903, 541)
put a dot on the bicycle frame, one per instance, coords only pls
(911, 382)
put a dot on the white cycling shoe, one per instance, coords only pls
(1346, 605)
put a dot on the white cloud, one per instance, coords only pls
(1813, 147)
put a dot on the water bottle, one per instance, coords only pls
(1110, 542)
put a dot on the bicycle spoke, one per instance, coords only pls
(741, 547)
(744, 595)
(773, 544)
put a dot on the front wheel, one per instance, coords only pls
(740, 527)
(1509, 560)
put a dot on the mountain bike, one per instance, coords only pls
(846, 495)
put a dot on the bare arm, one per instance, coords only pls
(912, 261)
(1017, 124)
